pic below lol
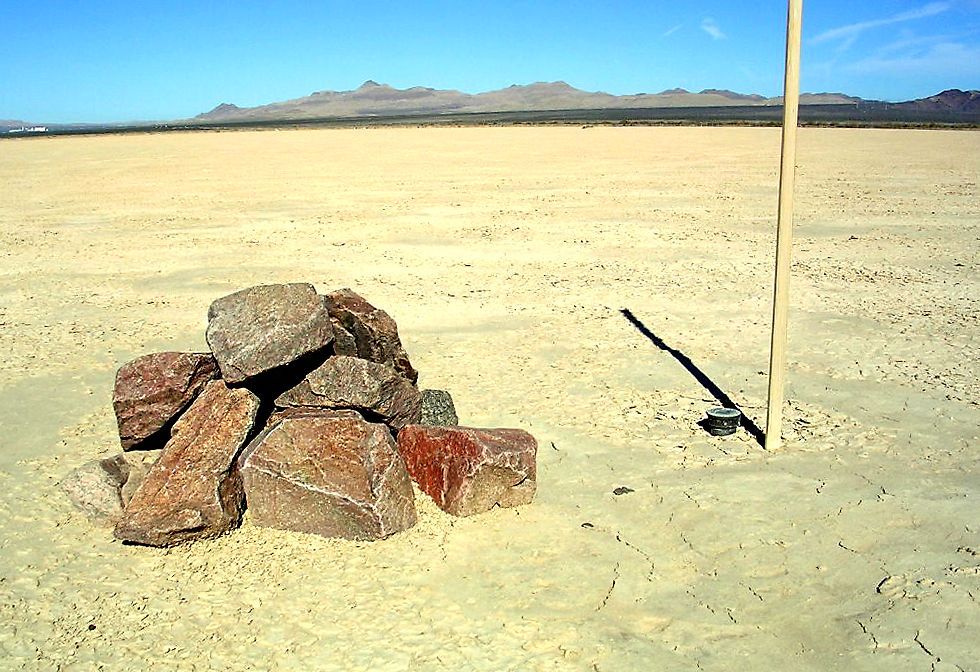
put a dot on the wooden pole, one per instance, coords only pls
(784, 226)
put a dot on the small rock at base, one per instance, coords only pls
(468, 471)
(102, 488)
(438, 409)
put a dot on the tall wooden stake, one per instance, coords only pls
(784, 226)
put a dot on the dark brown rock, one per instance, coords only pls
(327, 474)
(152, 390)
(343, 341)
(266, 327)
(374, 331)
(193, 490)
(102, 488)
(350, 382)
(468, 471)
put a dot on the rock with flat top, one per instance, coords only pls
(304, 411)
(152, 390)
(327, 473)
(376, 390)
(262, 328)
(193, 490)
(468, 471)
(374, 332)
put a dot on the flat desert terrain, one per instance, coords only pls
(507, 257)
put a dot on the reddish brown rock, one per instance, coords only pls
(306, 411)
(350, 382)
(468, 471)
(193, 490)
(374, 331)
(152, 390)
(266, 327)
(327, 474)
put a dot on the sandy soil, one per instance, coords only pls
(507, 255)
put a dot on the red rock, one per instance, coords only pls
(468, 471)
(266, 327)
(375, 332)
(193, 489)
(327, 474)
(350, 382)
(152, 390)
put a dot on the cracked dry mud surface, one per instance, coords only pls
(506, 256)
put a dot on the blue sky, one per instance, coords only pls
(132, 60)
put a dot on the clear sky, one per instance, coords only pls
(122, 60)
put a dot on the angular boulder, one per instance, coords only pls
(330, 474)
(193, 490)
(101, 488)
(374, 332)
(468, 471)
(152, 390)
(351, 382)
(438, 409)
(266, 327)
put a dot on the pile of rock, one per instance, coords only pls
(306, 411)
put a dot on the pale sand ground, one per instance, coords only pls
(506, 255)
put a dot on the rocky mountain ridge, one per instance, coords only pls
(374, 99)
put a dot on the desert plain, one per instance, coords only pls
(508, 257)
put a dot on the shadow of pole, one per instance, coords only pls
(698, 374)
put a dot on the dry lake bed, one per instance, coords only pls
(507, 257)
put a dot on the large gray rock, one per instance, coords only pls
(438, 408)
(327, 473)
(101, 488)
(266, 327)
(374, 332)
(350, 382)
(152, 390)
(193, 490)
(468, 471)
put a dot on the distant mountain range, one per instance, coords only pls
(372, 100)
